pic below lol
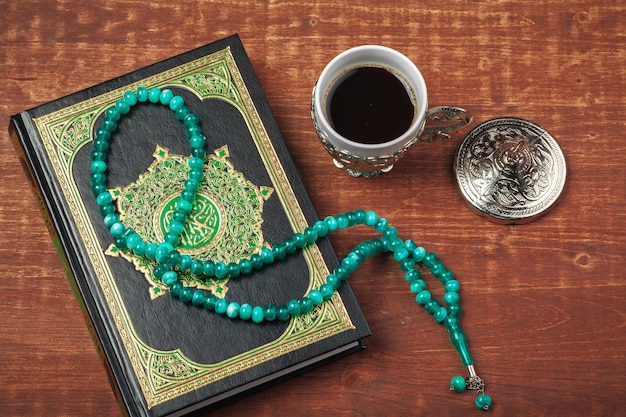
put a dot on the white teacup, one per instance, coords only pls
(370, 157)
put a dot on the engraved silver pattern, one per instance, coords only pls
(510, 170)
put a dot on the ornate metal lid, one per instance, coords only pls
(510, 170)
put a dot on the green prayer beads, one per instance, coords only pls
(170, 262)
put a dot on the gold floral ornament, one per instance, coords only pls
(224, 224)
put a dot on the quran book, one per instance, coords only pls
(165, 357)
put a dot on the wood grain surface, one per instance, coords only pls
(543, 302)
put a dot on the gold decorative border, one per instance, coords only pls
(164, 375)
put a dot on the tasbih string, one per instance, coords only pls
(170, 262)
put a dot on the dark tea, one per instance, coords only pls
(371, 105)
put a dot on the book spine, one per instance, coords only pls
(18, 134)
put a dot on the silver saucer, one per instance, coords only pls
(510, 170)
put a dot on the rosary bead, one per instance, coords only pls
(407, 265)
(445, 275)
(341, 273)
(431, 306)
(454, 310)
(176, 102)
(133, 240)
(199, 297)
(430, 259)
(191, 120)
(116, 229)
(111, 218)
(310, 235)
(451, 297)
(98, 166)
(198, 153)
(209, 303)
(208, 268)
(293, 307)
(306, 306)
(440, 314)
(458, 384)
(220, 270)
(342, 221)
(197, 175)
(130, 98)
(112, 114)
(279, 251)
(140, 248)
(97, 155)
(176, 289)
(483, 402)
(423, 297)
(122, 106)
(169, 278)
(437, 268)
(221, 305)
(245, 312)
(299, 240)
(256, 261)
(400, 255)
(290, 247)
(327, 291)
(282, 314)
(188, 196)
(452, 285)
(174, 257)
(359, 216)
(232, 311)
(390, 232)
(153, 95)
(412, 275)
(381, 225)
(195, 163)
(316, 297)
(119, 242)
(193, 130)
(267, 256)
(182, 112)
(196, 267)
(186, 294)
(419, 253)
(183, 205)
(269, 312)
(101, 145)
(351, 218)
(331, 222)
(142, 94)
(163, 251)
(410, 245)
(349, 265)
(151, 249)
(166, 96)
(257, 314)
(197, 141)
(108, 209)
(245, 266)
(159, 270)
(321, 228)
(417, 287)
(185, 262)
(176, 227)
(233, 270)
(371, 218)
(333, 281)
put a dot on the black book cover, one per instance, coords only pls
(166, 357)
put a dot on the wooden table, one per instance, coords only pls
(543, 302)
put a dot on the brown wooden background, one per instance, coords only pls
(544, 302)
